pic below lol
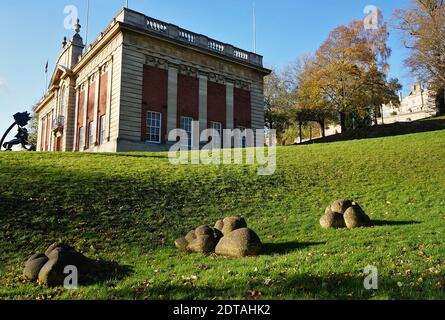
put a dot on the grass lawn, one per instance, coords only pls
(127, 209)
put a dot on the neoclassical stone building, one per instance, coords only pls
(419, 104)
(142, 78)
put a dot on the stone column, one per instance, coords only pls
(230, 105)
(172, 101)
(70, 116)
(203, 79)
(76, 117)
(257, 105)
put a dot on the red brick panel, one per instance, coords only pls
(103, 94)
(48, 131)
(242, 108)
(90, 109)
(154, 98)
(216, 103)
(102, 108)
(90, 103)
(188, 97)
(80, 115)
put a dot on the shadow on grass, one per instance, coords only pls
(101, 271)
(340, 286)
(383, 223)
(287, 247)
(130, 155)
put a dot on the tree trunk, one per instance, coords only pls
(376, 115)
(300, 125)
(343, 122)
(381, 114)
(322, 127)
(440, 101)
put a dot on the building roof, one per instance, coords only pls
(132, 20)
(139, 22)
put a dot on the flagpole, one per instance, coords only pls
(254, 26)
(87, 24)
(46, 78)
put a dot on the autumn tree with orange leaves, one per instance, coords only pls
(348, 75)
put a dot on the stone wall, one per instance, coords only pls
(107, 61)
(180, 63)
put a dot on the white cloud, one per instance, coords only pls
(4, 89)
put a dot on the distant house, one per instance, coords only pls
(419, 104)
(142, 78)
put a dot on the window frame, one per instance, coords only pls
(243, 136)
(81, 142)
(220, 131)
(149, 127)
(62, 101)
(189, 132)
(90, 134)
(101, 139)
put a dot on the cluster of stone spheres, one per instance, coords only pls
(229, 237)
(48, 268)
(344, 214)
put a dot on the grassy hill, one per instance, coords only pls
(386, 130)
(126, 210)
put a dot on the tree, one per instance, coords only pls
(348, 74)
(380, 91)
(33, 125)
(277, 104)
(311, 98)
(422, 29)
(280, 93)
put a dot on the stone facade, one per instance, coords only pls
(419, 104)
(141, 71)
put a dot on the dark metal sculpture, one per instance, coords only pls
(21, 121)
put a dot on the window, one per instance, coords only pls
(154, 120)
(62, 102)
(81, 136)
(186, 124)
(243, 137)
(90, 134)
(218, 127)
(101, 129)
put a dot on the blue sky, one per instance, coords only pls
(32, 31)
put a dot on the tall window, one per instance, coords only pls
(186, 125)
(42, 134)
(90, 134)
(62, 102)
(218, 127)
(243, 137)
(101, 129)
(154, 120)
(81, 138)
